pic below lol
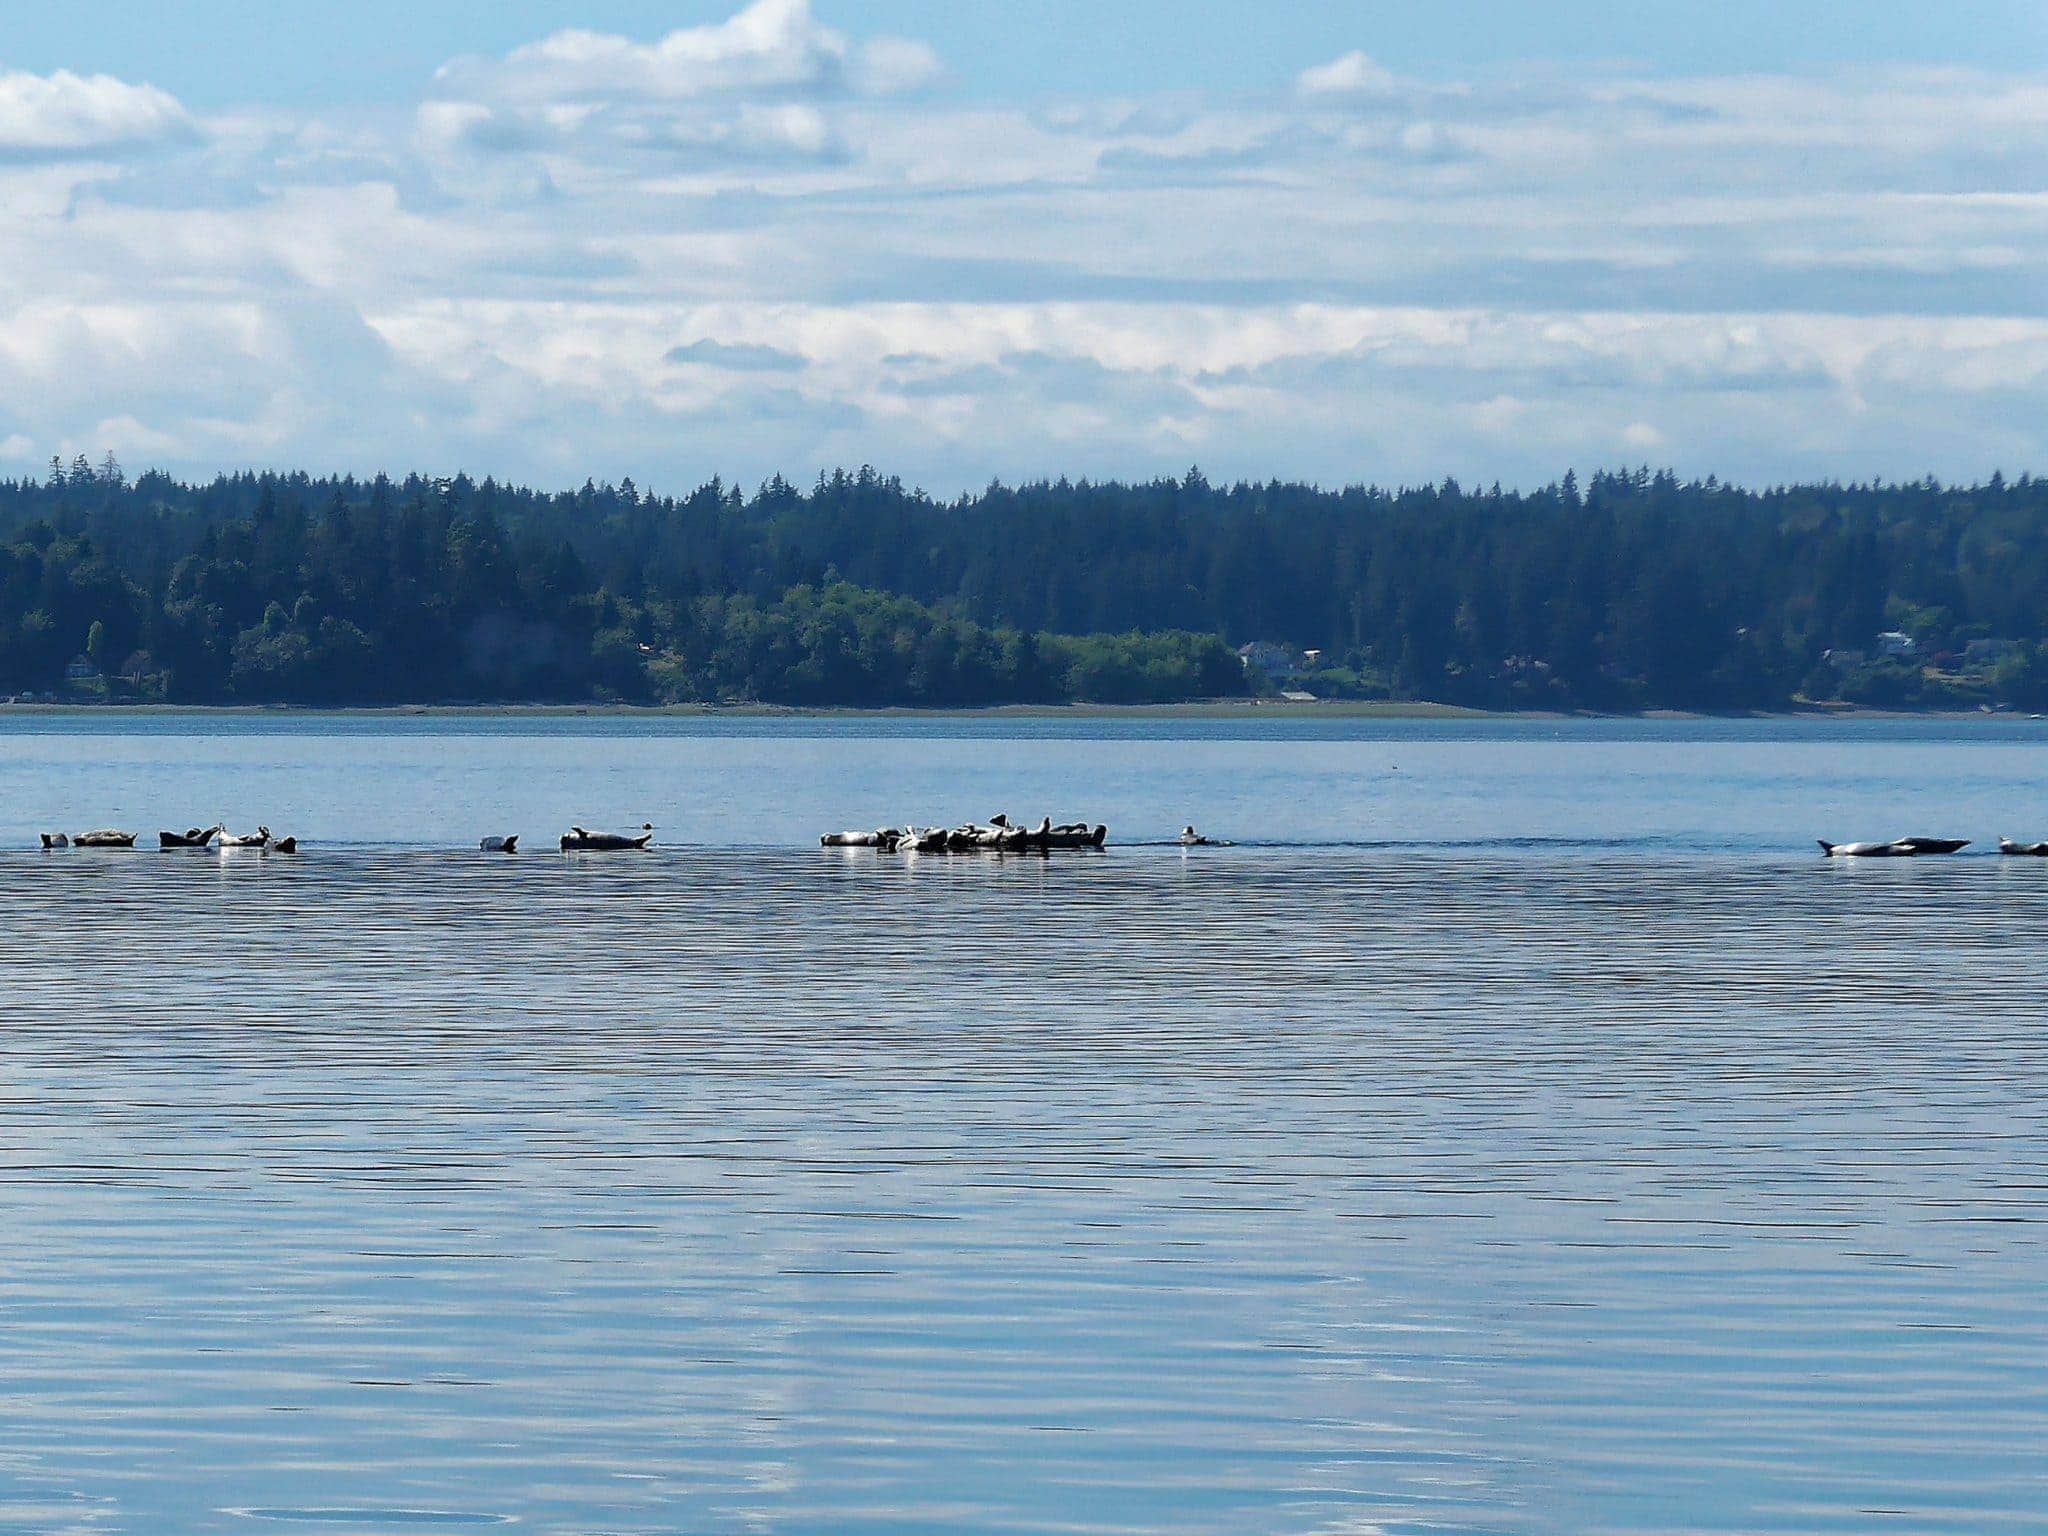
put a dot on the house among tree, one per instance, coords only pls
(81, 676)
(1271, 658)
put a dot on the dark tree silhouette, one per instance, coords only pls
(1625, 590)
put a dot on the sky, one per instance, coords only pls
(1340, 242)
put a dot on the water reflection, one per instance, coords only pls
(719, 1191)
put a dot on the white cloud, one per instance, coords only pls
(62, 114)
(790, 126)
(1354, 74)
(1108, 388)
(748, 89)
(771, 46)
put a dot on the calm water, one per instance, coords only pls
(1725, 786)
(1523, 1132)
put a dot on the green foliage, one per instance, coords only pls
(1140, 668)
(1631, 590)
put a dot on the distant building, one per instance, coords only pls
(1988, 653)
(1270, 657)
(81, 673)
(1297, 696)
(1311, 661)
(1843, 659)
(1897, 643)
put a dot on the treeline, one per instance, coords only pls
(1633, 590)
(386, 593)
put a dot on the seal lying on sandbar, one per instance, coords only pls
(101, 839)
(886, 837)
(576, 840)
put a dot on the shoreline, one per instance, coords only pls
(1201, 709)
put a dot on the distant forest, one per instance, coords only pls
(1635, 590)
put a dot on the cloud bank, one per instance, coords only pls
(765, 245)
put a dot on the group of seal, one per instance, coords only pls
(575, 840)
(1913, 847)
(192, 837)
(1896, 848)
(996, 835)
(104, 838)
(579, 840)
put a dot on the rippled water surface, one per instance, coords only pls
(1388, 1178)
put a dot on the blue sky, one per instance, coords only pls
(1336, 241)
(220, 53)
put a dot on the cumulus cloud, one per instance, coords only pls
(771, 46)
(63, 114)
(189, 380)
(754, 87)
